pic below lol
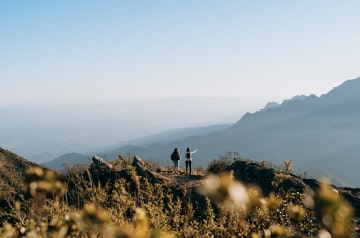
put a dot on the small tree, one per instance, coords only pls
(287, 166)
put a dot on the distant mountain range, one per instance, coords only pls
(321, 135)
(141, 146)
(44, 131)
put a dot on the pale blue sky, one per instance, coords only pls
(84, 51)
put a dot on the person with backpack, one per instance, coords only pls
(188, 159)
(176, 157)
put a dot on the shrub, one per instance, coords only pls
(221, 164)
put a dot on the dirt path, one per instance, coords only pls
(183, 180)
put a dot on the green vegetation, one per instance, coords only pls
(132, 200)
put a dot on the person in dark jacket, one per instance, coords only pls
(176, 157)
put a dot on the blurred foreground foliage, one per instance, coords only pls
(83, 202)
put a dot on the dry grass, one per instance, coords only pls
(120, 203)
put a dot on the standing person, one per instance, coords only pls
(176, 157)
(188, 159)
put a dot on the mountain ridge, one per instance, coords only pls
(311, 131)
(136, 146)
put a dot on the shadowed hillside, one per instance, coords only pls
(12, 171)
(13, 184)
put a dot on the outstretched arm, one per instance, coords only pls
(194, 151)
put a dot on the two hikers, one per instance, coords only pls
(176, 157)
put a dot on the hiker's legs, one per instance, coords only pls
(190, 167)
(176, 164)
(186, 166)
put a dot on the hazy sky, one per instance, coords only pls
(81, 51)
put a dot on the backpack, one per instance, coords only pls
(188, 155)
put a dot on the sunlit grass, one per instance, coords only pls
(120, 203)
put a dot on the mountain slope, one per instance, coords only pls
(153, 146)
(68, 159)
(321, 135)
(12, 182)
(12, 170)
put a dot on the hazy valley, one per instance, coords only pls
(43, 133)
(320, 135)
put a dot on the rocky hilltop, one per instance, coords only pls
(242, 193)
